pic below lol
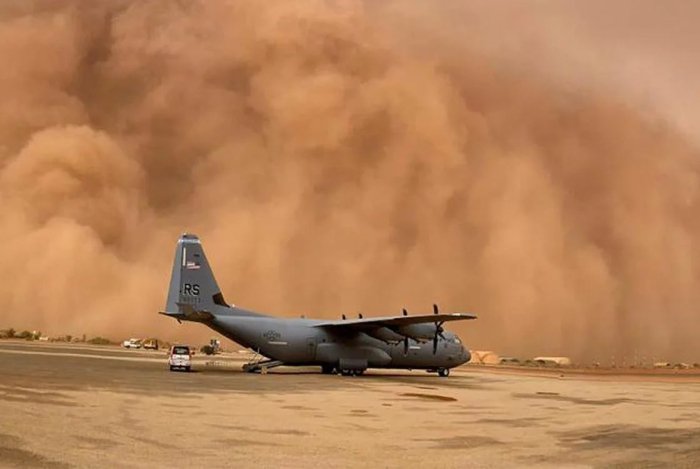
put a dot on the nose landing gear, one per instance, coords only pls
(443, 372)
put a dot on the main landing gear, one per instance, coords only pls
(331, 370)
(443, 372)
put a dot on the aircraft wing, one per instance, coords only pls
(395, 321)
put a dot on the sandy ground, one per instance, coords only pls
(72, 406)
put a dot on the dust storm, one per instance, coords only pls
(345, 157)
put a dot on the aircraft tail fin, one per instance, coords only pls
(193, 288)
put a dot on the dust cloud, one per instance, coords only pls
(344, 157)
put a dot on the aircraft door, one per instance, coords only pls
(311, 348)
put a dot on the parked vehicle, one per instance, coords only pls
(132, 343)
(150, 344)
(180, 357)
(212, 348)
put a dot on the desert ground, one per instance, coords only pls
(65, 406)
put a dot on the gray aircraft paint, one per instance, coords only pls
(194, 295)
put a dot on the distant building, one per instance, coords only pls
(484, 357)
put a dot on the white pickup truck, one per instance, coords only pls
(132, 343)
(180, 358)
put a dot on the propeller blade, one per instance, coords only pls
(405, 313)
(359, 315)
(435, 309)
(438, 332)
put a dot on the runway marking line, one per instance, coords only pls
(83, 355)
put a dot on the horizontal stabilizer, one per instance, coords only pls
(188, 313)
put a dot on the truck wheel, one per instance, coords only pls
(172, 368)
(187, 369)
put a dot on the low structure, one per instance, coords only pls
(559, 361)
(509, 361)
(484, 357)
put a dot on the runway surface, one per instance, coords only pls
(67, 406)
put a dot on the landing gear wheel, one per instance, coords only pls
(443, 372)
(327, 369)
(346, 372)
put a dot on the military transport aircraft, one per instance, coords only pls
(347, 346)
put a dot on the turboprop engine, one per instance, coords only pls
(385, 335)
(420, 332)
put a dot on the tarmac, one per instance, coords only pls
(64, 406)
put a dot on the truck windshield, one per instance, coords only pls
(181, 351)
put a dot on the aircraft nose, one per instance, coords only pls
(466, 355)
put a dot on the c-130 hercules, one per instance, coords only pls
(348, 346)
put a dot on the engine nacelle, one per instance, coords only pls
(353, 356)
(418, 331)
(385, 335)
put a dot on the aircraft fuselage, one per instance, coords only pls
(299, 342)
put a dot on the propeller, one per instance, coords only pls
(405, 339)
(438, 329)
